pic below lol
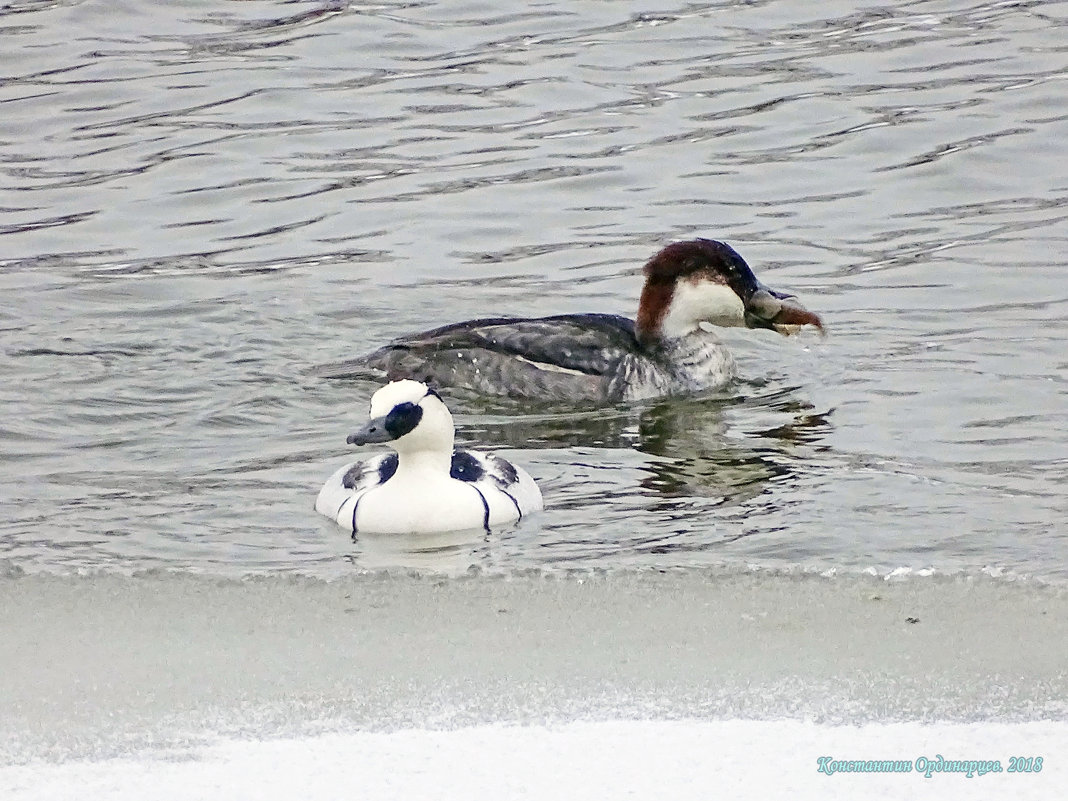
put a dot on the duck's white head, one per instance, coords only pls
(410, 416)
(705, 281)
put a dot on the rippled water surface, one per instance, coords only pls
(203, 202)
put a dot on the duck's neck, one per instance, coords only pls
(420, 465)
(697, 360)
(701, 357)
(679, 345)
(652, 307)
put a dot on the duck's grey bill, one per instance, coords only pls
(371, 432)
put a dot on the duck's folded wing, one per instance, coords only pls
(515, 482)
(571, 357)
(586, 343)
(352, 480)
(495, 477)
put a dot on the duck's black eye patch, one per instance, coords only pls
(402, 419)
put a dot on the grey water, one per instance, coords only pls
(203, 203)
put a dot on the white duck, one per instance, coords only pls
(426, 485)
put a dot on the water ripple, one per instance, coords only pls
(203, 205)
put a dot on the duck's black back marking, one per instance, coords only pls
(485, 508)
(352, 476)
(355, 506)
(357, 474)
(387, 467)
(465, 467)
(515, 503)
(403, 418)
(504, 473)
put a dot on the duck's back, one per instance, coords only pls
(570, 356)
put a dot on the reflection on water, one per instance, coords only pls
(202, 205)
(447, 553)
